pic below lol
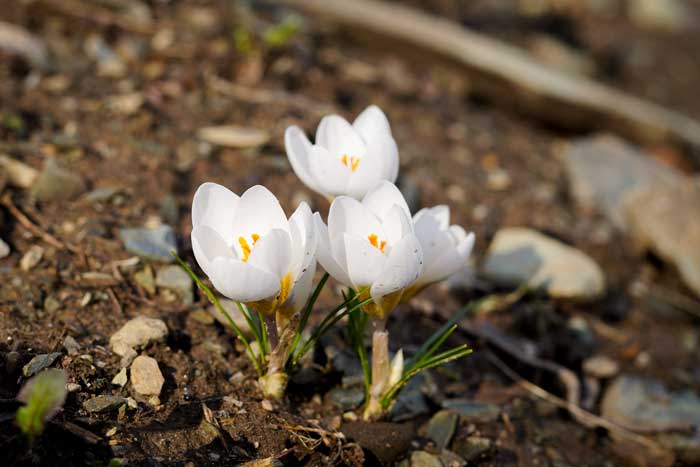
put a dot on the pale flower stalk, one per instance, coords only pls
(345, 159)
(446, 248)
(370, 246)
(254, 255)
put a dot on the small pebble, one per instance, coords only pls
(146, 378)
(267, 405)
(31, 258)
(121, 378)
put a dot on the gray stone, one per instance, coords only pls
(425, 459)
(103, 403)
(155, 244)
(666, 219)
(136, 333)
(603, 169)
(646, 406)
(169, 210)
(4, 249)
(175, 278)
(146, 377)
(441, 428)
(57, 184)
(473, 411)
(472, 447)
(411, 401)
(38, 363)
(101, 195)
(519, 256)
(346, 398)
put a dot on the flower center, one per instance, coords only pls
(374, 241)
(350, 161)
(246, 247)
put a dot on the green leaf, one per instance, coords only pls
(44, 396)
(279, 34)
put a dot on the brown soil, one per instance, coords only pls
(448, 140)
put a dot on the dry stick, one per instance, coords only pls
(496, 68)
(266, 96)
(32, 227)
(588, 419)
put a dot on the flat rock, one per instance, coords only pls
(103, 403)
(523, 256)
(146, 377)
(666, 219)
(441, 428)
(233, 136)
(136, 333)
(55, 183)
(646, 406)
(155, 244)
(473, 411)
(121, 378)
(175, 278)
(38, 363)
(472, 447)
(603, 169)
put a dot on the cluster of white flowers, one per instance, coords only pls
(256, 256)
(253, 254)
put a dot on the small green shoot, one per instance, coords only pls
(43, 397)
(279, 34)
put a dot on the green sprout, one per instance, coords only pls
(279, 34)
(43, 397)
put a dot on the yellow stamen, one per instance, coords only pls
(374, 241)
(352, 163)
(246, 247)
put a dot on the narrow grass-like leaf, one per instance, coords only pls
(307, 311)
(212, 298)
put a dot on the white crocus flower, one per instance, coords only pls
(249, 249)
(345, 159)
(371, 244)
(446, 248)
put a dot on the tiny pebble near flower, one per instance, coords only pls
(249, 249)
(446, 248)
(371, 244)
(345, 159)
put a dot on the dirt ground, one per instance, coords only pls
(130, 124)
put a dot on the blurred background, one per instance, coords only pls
(564, 133)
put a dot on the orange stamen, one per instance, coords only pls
(352, 163)
(246, 247)
(374, 241)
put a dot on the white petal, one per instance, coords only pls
(448, 261)
(402, 268)
(396, 225)
(330, 175)
(272, 253)
(325, 255)
(383, 197)
(207, 245)
(365, 262)
(339, 137)
(303, 236)
(215, 205)
(367, 175)
(385, 150)
(298, 148)
(349, 216)
(241, 281)
(258, 213)
(302, 287)
(372, 124)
